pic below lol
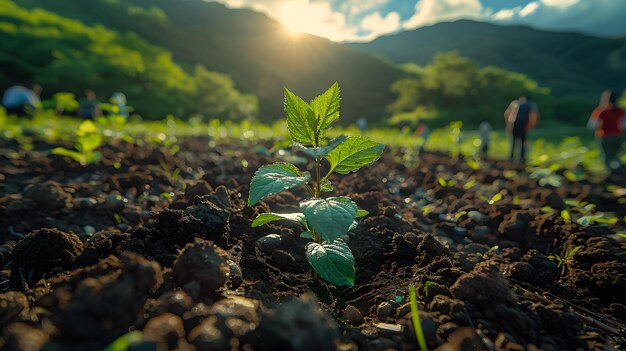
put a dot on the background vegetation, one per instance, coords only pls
(197, 58)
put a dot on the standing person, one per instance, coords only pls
(608, 121)
(20, 100)
(89, 106)
(520, 117)
(119, 99)
(483, 130)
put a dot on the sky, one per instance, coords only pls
(365, 20)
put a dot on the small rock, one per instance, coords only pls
(22, 337)
(477, 217)
(235, 276)
(176, 302)
(268, 243)
(388, 330)
(353, 315)
(84, 203)
(49, 194)
(167, 330)
(115, 202)
(204, 263)
(89, 230)
(385, 310)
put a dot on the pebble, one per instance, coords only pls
(386, 329)
(89, 230)
(353, 316)
(477, 217)
(115, 202)
(268, 243)
(84, 203)
(385, 310)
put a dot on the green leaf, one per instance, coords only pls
(76, 156)
(333, 261)
(301, 121)
(566, 216)
(326, 185)
(321, 151)
(306, 235)
(330, 217)
(354, 153)
(125, 341)
(362, 213)
(265, 218)
(442, 181)
(88, 142)
(274, 178)
(326, 108)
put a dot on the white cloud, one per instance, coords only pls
(592, 16)
(504, 14)
(433, 11)
(559, 3)
(375, 25)
(529, 8)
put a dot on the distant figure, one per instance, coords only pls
(608, 121)
(88, 107)
(361, 123)
(483, 130)
(422, 131)
(520, 117)
(119, 99)
(20, 100)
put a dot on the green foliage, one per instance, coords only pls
(253, 49)
(325, 220)
(124, 342)
(64, 54)
(332, 260)
(454, 87)
(87, 141)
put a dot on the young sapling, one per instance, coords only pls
(324, 219)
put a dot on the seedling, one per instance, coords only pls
(87, 141)
(565, 259)
(325, 220)
(417, 323)
(446, 183)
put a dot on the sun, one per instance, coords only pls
(294, 17)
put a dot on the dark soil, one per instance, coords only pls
(92, 253)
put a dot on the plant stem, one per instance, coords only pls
(318, 182)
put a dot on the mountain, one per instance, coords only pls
(568, 63)
(257, 52)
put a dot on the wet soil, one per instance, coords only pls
(160, 246)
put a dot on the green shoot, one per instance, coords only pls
(415, 317)
(324, 220)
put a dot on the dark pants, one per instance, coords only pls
(18, 111)
(610, 147)
(519, 138)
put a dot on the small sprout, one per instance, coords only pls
(415, 318)
(325, 220)
(446, 184)
(566, 216)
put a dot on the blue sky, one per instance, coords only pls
(364, 20)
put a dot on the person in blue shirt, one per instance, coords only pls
(520, 117)
(21, 101)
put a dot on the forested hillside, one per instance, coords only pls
(568, 63)
(260, 55)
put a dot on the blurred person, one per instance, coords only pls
(89, 106)
(119, 99)
(22, 101)
(483, 130)
(608, 122)
(422, 131)
(520, 117)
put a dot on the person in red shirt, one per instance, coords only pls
(608, 121)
